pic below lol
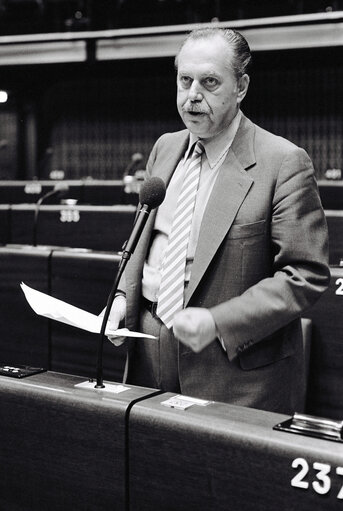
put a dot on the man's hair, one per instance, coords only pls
(241, 61)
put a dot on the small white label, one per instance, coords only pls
(339, 290)
(33, 188)
(322, 482)
(69, 215)
(183, 402)
(109, 387)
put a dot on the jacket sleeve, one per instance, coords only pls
(299, 244)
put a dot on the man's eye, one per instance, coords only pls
(210, 82)
(185, 81)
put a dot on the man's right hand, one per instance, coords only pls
(117, 314)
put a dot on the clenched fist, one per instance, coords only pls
(195, 327)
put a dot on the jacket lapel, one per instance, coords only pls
(169, 156)
(229, 191)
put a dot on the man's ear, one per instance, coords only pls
(243, 84)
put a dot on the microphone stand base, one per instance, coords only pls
(113, 388)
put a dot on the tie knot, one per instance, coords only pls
(198, 148)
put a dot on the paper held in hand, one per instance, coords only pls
(50, 307)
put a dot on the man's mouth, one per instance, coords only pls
(194, 113)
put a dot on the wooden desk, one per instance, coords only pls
(221, 457)
(61, 447)
(86, 191)
(335, 227)
(4, 224)
(325, 386)
(28, 192)
(331, 194)
(93, 227)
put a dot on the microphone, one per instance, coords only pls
(135, 159)
(58, 189)
(151, 196)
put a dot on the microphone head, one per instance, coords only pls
(61, 187)
(152, 192)
(61, 190)
(136, 157)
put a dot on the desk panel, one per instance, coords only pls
(28, 192)
(4, 224)
(221, 457)
(21, 224)
(84, 280)
(325, 387)
(107, 192)
(24, 335)
(62, 448)
(93, 227)
(335, 227)
(331, 194)
(88, 191)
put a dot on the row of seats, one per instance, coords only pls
(84, 279)
(67, 446)
(100, 227)
(92, 227)
(108, 192)
(86, 191)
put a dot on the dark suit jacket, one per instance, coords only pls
(261, 260)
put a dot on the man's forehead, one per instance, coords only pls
(214, 42)
(204, 53)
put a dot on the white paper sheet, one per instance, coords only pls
(50, 307)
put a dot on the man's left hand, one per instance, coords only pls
(194, 327)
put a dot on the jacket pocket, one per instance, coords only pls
(280, 345)
(247, 230)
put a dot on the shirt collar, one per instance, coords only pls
(218, 145)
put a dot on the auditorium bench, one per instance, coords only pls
(335, 226)
(94, 227)
(65, 446)
(331, 194)
(87, 191)
(82, 278)
(325, 385)
(5, 228)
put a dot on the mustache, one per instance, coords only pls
(195, 108)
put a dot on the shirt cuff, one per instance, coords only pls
(120, 293)
(221, 341)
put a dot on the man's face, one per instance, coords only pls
(208, 93)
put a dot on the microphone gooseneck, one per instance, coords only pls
(59, 188)
(151, 196)
(136, 158)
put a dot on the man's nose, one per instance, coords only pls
(195, 93)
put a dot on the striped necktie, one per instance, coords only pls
(171, 292)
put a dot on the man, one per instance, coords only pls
(256, 250)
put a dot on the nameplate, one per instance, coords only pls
(33, 188)
(183, 402)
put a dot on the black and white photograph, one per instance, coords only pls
(171, 255)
